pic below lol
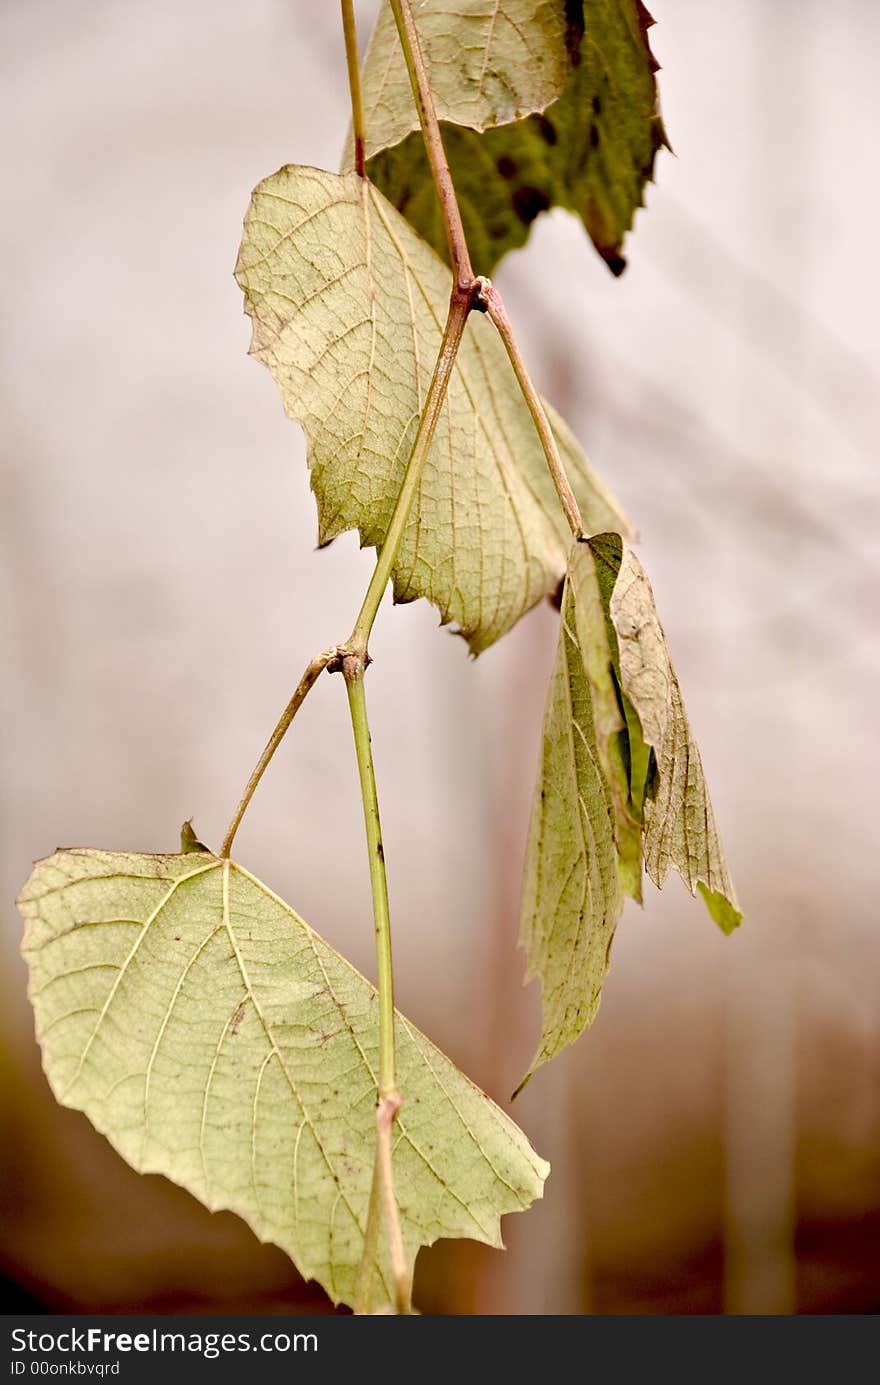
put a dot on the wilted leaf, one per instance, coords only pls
(592, 151)
(214, 1038)
(573, 893)
(680, 830)
(620, 776)
(491, 61)
(348, 307)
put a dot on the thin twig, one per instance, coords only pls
(303, 688)
(349, 29)
(420, 81)
(491, 298)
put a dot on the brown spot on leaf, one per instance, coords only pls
(528, 202)
(546, 129)
(506, 166)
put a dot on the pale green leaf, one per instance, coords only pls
(214, 1038)
(680, 829)
(490, 61)
(348, 307)
(592, 151)
(620, 779)
(574, 893)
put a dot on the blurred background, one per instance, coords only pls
(715, 1139)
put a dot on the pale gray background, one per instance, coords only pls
(161, 594)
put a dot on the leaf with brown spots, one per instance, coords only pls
(491, 61)
(590, 151)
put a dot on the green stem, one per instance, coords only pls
(349, 29)
(353, 657)
(460, 305)
(389, 1102)
(357, 704)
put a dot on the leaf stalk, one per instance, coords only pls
(496, 310)
(313, 671)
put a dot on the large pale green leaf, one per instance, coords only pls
(214, 1038)
(620, 779)
(491, 61)
(348, 307)
(592, 151)
(680, 831)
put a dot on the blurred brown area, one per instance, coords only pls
(715, 1139)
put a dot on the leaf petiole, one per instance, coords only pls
(303, 688)
(496, 311)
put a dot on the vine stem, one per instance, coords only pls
(469, 292)
(420, 82)
(352, 658)
(487, 298)
(354, 678)
(354, 665)
(389, 1099)
(349, 30)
